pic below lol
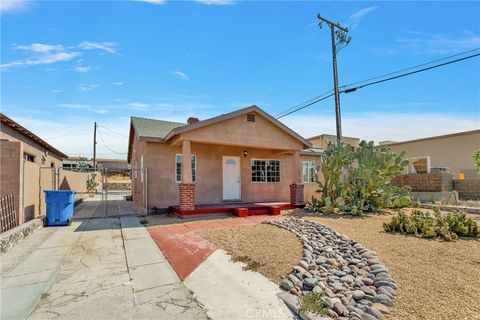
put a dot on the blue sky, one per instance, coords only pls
(68, 64)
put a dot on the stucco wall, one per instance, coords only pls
(451, 151)
(138, 149)
(163, 190)
(30, 147)
(237, 131)
(11, 172)
(322, 141)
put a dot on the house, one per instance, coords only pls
(321, 141)
(22, 155)
(75, 163)
(245, 156)
(446, 153)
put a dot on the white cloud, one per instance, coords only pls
(119, 83)
(421, 42)
(57, 90)
(13, 5)
(355, 19)
(383, 126)
(216, 2)
(138, 105)
(180, 74)
(75, 106)
(110, 47)
(42, 53)
(101, 111)
(82, 69)
(153, 1)
(87, 87)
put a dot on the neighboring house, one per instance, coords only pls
(22, 154)
(321, 141)
(446, 153)
(75, 163)
(242, 156)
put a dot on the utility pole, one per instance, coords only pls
(94, 146)
(337, 33)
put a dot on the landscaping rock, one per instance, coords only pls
(354, 282)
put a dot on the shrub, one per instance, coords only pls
(447, 226)
(358, 181)
(311, 302)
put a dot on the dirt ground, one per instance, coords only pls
(436, 279)
(274, 250)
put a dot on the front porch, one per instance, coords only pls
(239, 209)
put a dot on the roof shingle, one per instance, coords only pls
(151, 128)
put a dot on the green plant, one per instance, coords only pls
(476, 159)
(311, 302)
(92, 183)
(448, 226)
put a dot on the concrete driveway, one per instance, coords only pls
(97, 268)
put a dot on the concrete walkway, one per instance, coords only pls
(107, 268)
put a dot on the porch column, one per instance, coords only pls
(296, 188)
(186, 189)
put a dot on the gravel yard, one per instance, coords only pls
(436, 279)
(275, 250)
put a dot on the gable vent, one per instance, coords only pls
(250, 117)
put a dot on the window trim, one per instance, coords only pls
(194, 175)
(279, 170)
(314, 170)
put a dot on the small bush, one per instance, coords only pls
(448, 226)
(311, 302)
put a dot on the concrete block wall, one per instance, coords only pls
(432, 182)
(468, 189)
(11, 155)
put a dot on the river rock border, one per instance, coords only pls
(354, 283)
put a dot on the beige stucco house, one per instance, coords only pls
(322, 140)
(22, 154)
(446, 153)
(243, 156)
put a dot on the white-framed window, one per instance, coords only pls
(265, 170)
(309, 171)
(418, 164)
(178, 168)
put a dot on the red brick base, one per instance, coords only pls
(186, 195)
(296, 194)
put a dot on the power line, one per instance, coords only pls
(317, 99)
(116, 132)
(409, 68)
(410, 73)
(106, 146)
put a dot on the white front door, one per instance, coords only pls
(231, 178)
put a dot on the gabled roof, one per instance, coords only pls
(151, 128)
(19, 128)
(229, 115)
(161, 130)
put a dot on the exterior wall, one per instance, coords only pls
(11, 172)
(454, 151)
(31, 147)
(163, 190)
(32, 195)
(237, 131)
(323, 140)
(138, 149)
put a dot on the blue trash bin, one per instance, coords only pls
(59, 207)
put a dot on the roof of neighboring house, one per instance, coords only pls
(313, 151)
(432, 138)
(164, 130)
(17, 127)
(151, 128)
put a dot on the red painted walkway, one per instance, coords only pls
(185, 249)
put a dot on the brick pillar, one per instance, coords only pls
(186, 193)
(296, 194)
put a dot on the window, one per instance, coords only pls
(28, 157)
(309, 171)
(265, 170)
(419, 165)
(178, 168)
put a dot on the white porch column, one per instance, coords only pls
(186, 162)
